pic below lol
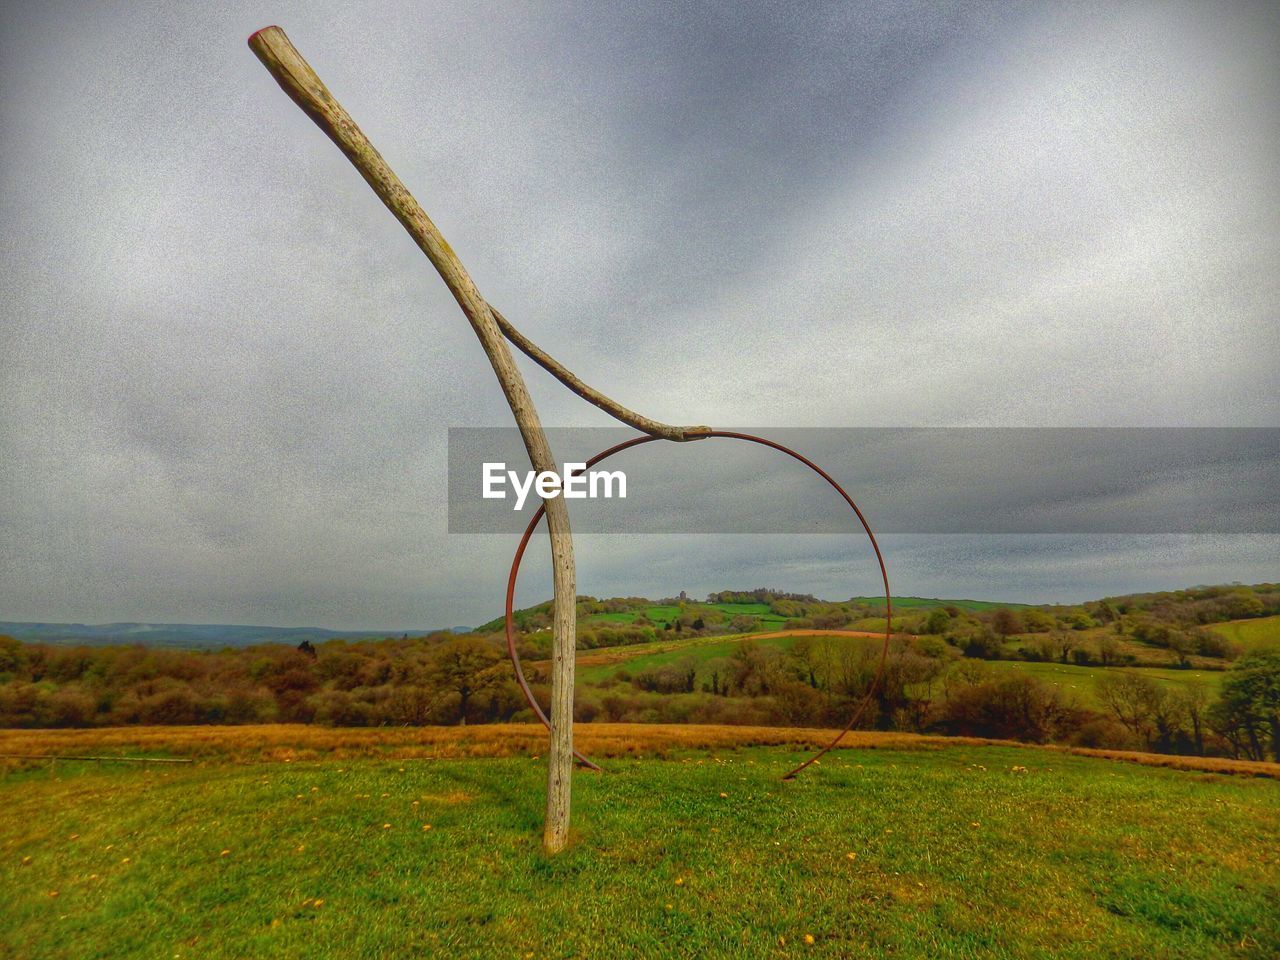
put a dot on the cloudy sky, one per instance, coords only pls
(227, 374)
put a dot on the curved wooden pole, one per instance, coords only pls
(304, 87)
(653, 428)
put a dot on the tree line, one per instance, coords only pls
(438, 679)
(926, 689)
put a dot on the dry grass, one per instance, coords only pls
(1204, 764)
(286, 743)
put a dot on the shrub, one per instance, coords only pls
(1247, 713)
(1103, 733)
(1011, 707)
(338, 708)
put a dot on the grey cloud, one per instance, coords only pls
(906, 480)
(228, 374)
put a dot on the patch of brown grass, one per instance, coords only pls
(285, 743)
(1255, 768)
(451, 799)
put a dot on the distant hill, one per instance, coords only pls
(624, 610)
(191, 636)
(931, 603)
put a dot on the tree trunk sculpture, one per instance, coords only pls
(303, 85)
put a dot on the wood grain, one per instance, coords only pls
(304, 87)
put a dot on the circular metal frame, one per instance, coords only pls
(861, 708)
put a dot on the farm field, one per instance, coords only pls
(1250, 634)
(931, 603)
(1083, 681)
(605, 661)
(1078, 681)
(1089, 640)
(919, 848)
(878, 624)
(661, 614)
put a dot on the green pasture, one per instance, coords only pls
(930, 603)
(954, 852)
(1082, 682)
(1251, 634)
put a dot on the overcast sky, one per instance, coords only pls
(227, 375)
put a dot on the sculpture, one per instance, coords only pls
(296, 77)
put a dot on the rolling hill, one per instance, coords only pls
(193, 636)
(1251, 634)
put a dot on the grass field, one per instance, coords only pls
(661, 614)
(1251, 634)
(931, 603)
(1143, 654)
(878, 624)
(739, 609)
(957, 850)
(658, 614)
(663, 653)
(596, 665)
(1082, 682)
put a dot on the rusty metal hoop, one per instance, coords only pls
(730, 435)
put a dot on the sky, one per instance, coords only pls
(227, 375)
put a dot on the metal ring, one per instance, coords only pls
(635, 442)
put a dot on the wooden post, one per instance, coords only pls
(304, 86)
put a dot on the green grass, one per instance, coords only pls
(747, 609)
(661, 653)
(877, 624)
(661, 615)
(760, 611)
(627, 617)
(1077, 681)
(1082, 682)
(930, 603)
(1251, 634)
(700, 651)
(956, 856)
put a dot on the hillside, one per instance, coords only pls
(938, 851)
(772, 610)
(933, 603)
(759, 610)
(1077, 683)
(1251, 634)
(190, 636)
(1154, 672)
